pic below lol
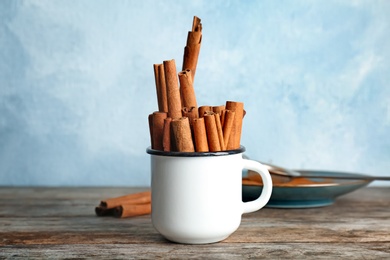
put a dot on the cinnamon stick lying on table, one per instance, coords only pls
(131, 210)
(126, 206)
(124, 211)
(102, 212)
(135, 198)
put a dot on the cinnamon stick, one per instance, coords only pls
(212, 132)
(228, 125)
(192, 48)
(150, 121)
(235, 135)
(161, 89)
(182, 134)
(200, 135)
(102, 211)
(196, 24)
(167, 135)
(202, 110)
(218, 109)
(191, 113)
(221, 111)
(187, 92)
(173, 92)
(158, 128)
(219, 131)
(132, 210)
(135, 198)
(129, 205)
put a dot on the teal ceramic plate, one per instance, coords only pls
(307, 195)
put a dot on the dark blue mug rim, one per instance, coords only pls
(151, 151)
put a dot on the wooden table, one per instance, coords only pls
(61, 223)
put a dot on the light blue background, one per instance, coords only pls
(77, 83)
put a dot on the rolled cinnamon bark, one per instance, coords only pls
(191, 54)
(150, 121)
(223, 113)
(190, 112)
(228, 125)
(200, 135)
(173, 92)
(132, 210)
(158, 128)
(202, 110)
(212, 132)
(157, 82)
(187, 92)
(218, 109)
(125, 210)
(194, 37)
(102, 212)
(192, 49)
(135, 198)
(235, 135)
(161, 89)
(219, 131)
(182, 134)
(196, 24)
(167, 135)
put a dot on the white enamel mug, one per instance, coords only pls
(197, 197)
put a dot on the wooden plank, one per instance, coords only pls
(211, 251)
(61, 223)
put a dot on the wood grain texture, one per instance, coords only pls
(46, 223)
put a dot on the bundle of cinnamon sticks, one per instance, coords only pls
(179, 124)
(129, 205)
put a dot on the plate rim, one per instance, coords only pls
(330, 184)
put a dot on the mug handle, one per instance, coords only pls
(265, 195)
